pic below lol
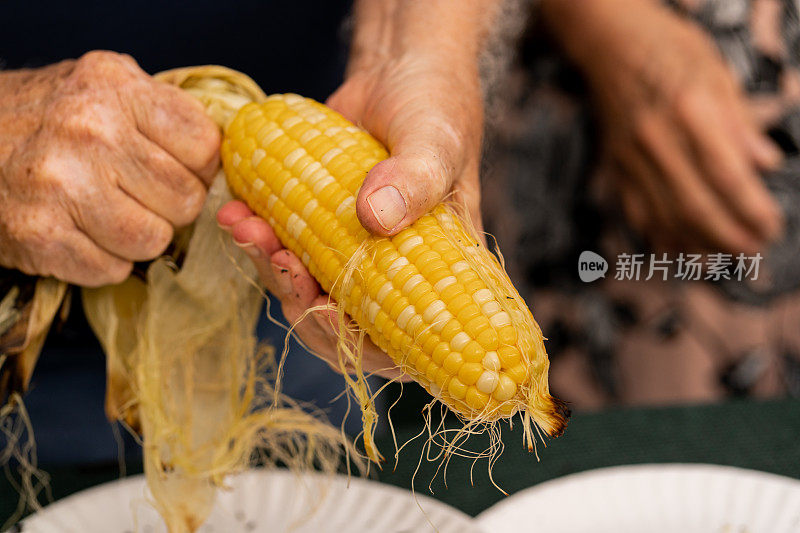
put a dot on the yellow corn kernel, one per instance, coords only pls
(457, 389)
(470, 372)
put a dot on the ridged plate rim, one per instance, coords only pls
(362, 507)
(657, 498)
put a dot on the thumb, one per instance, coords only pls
(420, 172)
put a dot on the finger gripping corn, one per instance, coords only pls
(433, 297)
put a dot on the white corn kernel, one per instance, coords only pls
(440, 321)
(491, 307)
(491, 361)
(405, 315)
(412, 282)
(309, 170)
(500, 319)
(436, 307)
(482, 296)
(395, 267)
(313, 118)
(459, 341)
(291, 121)
(384, 291)
(309, 208)
(488, 381)
(330, 154)
(296, 225)
(409, 244)
(459, 266)
(258, 155)
(443, 283)
(310, 134)
(287, 188)
(346, 204)
(415, 322)
(321, 184)
(270, 137)
(372, 311)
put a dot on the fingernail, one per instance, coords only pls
(282, 278)
(388, 206)
(249, 248)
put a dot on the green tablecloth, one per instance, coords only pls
(750, 434)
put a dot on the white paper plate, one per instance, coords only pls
(261, 501)
(652, 499)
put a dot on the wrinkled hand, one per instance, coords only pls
(98, 164)
(429, 115)
(682, 149)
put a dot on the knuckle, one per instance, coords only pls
(149, 239)
(117, 272)
(97, 271)
(47, 166)
(208, 144)
(428, 180)
(142, 236)
(191, 205)
(102, 59)
(87, 121)
(30, 232)
(154, 238)
(99, 70)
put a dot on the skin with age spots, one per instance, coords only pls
(98, 164)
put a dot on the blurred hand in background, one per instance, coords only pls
(98, 164)
(413, 82)
(680, 147)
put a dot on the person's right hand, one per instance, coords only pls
(98, 164)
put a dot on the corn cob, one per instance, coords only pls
(432, 296)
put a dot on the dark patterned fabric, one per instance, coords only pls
(625, 341)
